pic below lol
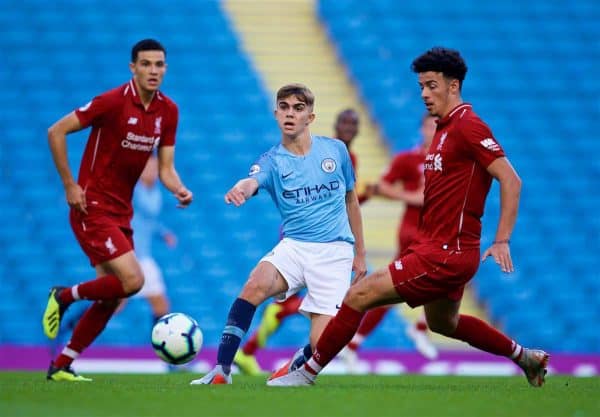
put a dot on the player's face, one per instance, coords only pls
(293, 116)
(346, 127)
(436, 92)
(149, 70)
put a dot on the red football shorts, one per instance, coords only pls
(101, 237)
(428, 272)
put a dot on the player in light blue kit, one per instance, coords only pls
(147, 202)
(311, 181)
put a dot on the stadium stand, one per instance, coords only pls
(60, 54)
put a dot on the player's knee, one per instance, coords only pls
(358, 297)
(255, 291)
(133, 284)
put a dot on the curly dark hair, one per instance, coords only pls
(444, 60)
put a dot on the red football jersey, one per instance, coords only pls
(123, 136)
(456, 179)
(407, 167)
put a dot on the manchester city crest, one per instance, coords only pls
(328, 165)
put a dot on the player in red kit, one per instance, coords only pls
(406, 170)
(127, 123)
(463, 159)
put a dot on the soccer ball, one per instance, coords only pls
(176, 338)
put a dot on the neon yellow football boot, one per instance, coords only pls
(55, 310)
(66, 374)
(247, 363)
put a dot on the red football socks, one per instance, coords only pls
(289, 307)
(89, 326)
(337, 334)
(481, 335)
(368, 324)
(108, 287)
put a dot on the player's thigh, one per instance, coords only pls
(374, 290)
(265, 281)
(442, 315)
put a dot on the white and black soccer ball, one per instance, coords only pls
(176, 338)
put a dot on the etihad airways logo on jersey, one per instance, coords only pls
(139, 142)
(433, 162)
(305, 195)
(490, 144)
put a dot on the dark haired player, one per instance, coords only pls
(463, 159)
(127, 123)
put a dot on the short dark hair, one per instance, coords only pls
(347, 112)
(444, 60)
(300, 91)
(146, 45)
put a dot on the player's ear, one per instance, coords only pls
(311, 117)
(132, 67)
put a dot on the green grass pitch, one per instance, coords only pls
(29, 394)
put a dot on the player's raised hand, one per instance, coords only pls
(76, 197)
(236, 196)
(183, 196)
(500, 251)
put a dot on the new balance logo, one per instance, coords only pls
(490, 144)
(132, 121)
(398, 265)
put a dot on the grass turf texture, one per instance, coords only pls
(29, 394)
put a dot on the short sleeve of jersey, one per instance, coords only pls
(480, 142)
(261, 171)
(168, 136)
(93, 112)
(397, 169)
(347, 167)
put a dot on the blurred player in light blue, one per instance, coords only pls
(147, 202)
(311, 181)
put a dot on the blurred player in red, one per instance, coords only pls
(128, 123)
(346, 129)
(463, 159)
(403, 181)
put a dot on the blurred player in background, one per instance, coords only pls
(311, 181)
(403, 181)
(147, 204)
(128, 123)
(460, 165)
(346, 129)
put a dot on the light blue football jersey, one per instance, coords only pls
(309, 190)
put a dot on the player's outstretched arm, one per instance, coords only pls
(57, 140)
(170, 178)
(241, 191)
(510, 192)
(397, 192)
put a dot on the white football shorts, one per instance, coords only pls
(153, 279)
(324, 269)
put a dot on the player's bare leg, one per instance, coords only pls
(375, 290)
(265, 281)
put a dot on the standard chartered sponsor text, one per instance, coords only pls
(139, 142)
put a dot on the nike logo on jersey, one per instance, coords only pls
(284, 176)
